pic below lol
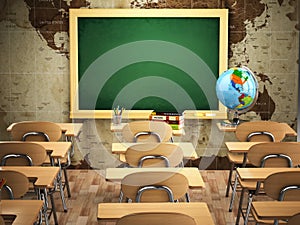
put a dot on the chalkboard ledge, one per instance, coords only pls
(144, 114)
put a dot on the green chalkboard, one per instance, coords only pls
(141, 61)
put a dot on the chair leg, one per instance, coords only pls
(229, 179)
(250, 199)
(233, 192)
(238, 216)
(121, 196)
(187, 196)
(53, 209)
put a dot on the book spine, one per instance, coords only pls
(167, 113)
(166, 118)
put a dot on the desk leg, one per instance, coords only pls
(59, 180)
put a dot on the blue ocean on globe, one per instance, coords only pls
(236, 88)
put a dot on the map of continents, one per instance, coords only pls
(247, 18)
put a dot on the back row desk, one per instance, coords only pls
(113, 211)
(70, 130)
(289, 131)
(191, 173)
(119, 127)
(24, 212)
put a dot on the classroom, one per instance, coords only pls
(44, 54)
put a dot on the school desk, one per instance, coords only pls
(188, 149)
(113, 211)
(270, 210)
(257, 174)
(45, 178)
(261, 173)
(57, 150)
(70, 130)
(25, 212)
(289, 131)
(191, 173)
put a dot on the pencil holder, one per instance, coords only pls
(117, 119)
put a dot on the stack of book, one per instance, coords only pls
(175, 120)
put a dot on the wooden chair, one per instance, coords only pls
(147, 131)
(276, 154)
(154, 187)
(281, 186)
(13, 153)
(36, 131)
(294, 220)
(155, 218)
(16, 184)
(44, 131)
(154, 155)
(259, 131)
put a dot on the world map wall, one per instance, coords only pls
(34, 59)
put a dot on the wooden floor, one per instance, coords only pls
(89, 188)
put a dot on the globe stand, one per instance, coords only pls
(233, 119)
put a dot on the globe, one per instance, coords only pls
(237, 89)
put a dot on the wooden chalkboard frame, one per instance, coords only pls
(75, 14)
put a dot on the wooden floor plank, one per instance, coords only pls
(88, 188)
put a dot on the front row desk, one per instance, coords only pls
(109, 212)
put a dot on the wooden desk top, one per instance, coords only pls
(119, 127)
(45, 175)
(69, 129)
(113, 211)
(26, 211)
(57, 149)
(275, 209)
(239, 146)
(260, 174)
(192, 174)
(289, 131)
(187, 148)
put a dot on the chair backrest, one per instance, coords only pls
(274, 154)
(17, 153)
(263, 131)
(147, 131)
(294, 220)
(154, 155)
(156, 218)
(283, 186)
(16, 184)
(36, 131)
(154, 186)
